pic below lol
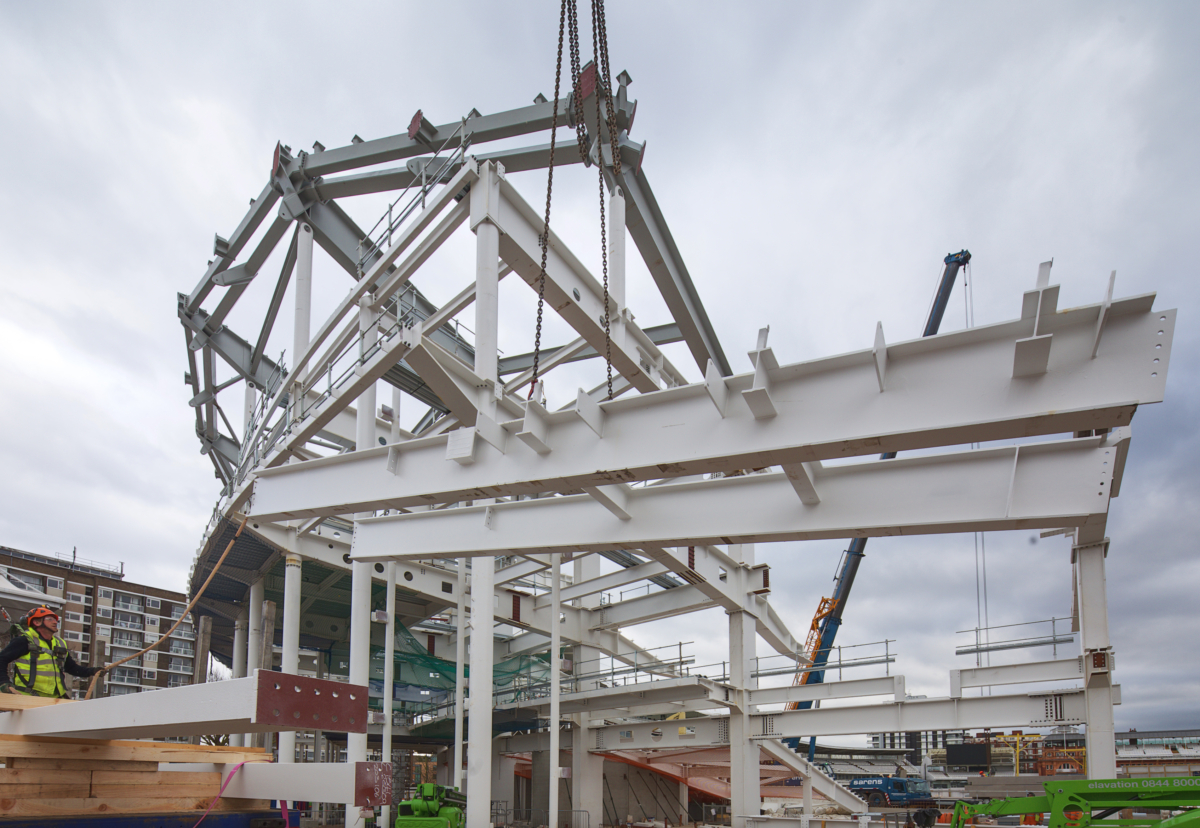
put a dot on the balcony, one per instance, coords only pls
(129, 625)
(187, 635)
(127, 642)
(124, 680)
(128, 606)
(178, 681)
(182, 651)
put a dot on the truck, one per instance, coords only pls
(893, 791)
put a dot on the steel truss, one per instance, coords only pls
(674, 479)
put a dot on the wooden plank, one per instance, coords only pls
(156, 785)
(42, 783)
(42, 747)
(78, 806)
(19, 701)
(156, 791)
(82, 764)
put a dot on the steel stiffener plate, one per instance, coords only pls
(372, 784)
(310, 704)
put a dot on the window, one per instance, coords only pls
(103, 631)
(74, 616)
(151, 620)
(151, 657)
(104, 612)
(26, 579)
(178, 681)
(149, 675)
(74, 597)
(87, 600)
(128, 602)
(179, 648)
(176, 613)
(81, 658)
(127, 621)
(124, 675)
(184, 632)
(180, 665)
(118, 690)
(153, 603)
(85, 638)
(106, 594)
(122, 638)
(54, 583)
(71, 635)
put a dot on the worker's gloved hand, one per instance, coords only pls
(6, 687)
(91, 671)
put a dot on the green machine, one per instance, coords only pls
(434, 806)
(1088, 803)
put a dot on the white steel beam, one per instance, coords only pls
(1065, 669)
(884, 686)
(950, 389)
(1047, 485)
(265, 702)
(1030, 710)
(821, 783)
(362, 784)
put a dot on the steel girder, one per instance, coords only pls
(950, 389)
(361, 784)
(1048, 709)
(1040, 485)
(263, 703)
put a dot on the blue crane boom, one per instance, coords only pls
(829, 615)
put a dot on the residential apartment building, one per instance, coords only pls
(106, 618)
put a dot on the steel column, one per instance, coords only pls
(745, 799)
(479, 725)
(1092, 589)
(555, 684)
(389, 673)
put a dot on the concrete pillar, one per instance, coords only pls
(479, 726)
(1092, 591)
(745, 798)
(239, 664)
(504, 780)
(254, 637)
(684, 799)
(290, 659)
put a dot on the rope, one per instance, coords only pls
(178, 621)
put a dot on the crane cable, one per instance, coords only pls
(568, 25)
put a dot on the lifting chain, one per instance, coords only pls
(568, 24)
(545, 240)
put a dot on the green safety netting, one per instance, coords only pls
(414, 666)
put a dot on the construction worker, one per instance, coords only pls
(40, 658)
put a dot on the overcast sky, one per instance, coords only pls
(815, 161)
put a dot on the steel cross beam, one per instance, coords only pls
(1050, 709)
(263, 703)
(1038, 485)
(362, 784)
(950, 389)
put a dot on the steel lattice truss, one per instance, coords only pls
(669, 478)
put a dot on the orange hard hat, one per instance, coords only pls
(41, 612)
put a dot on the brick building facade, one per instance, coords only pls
(106, 618)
